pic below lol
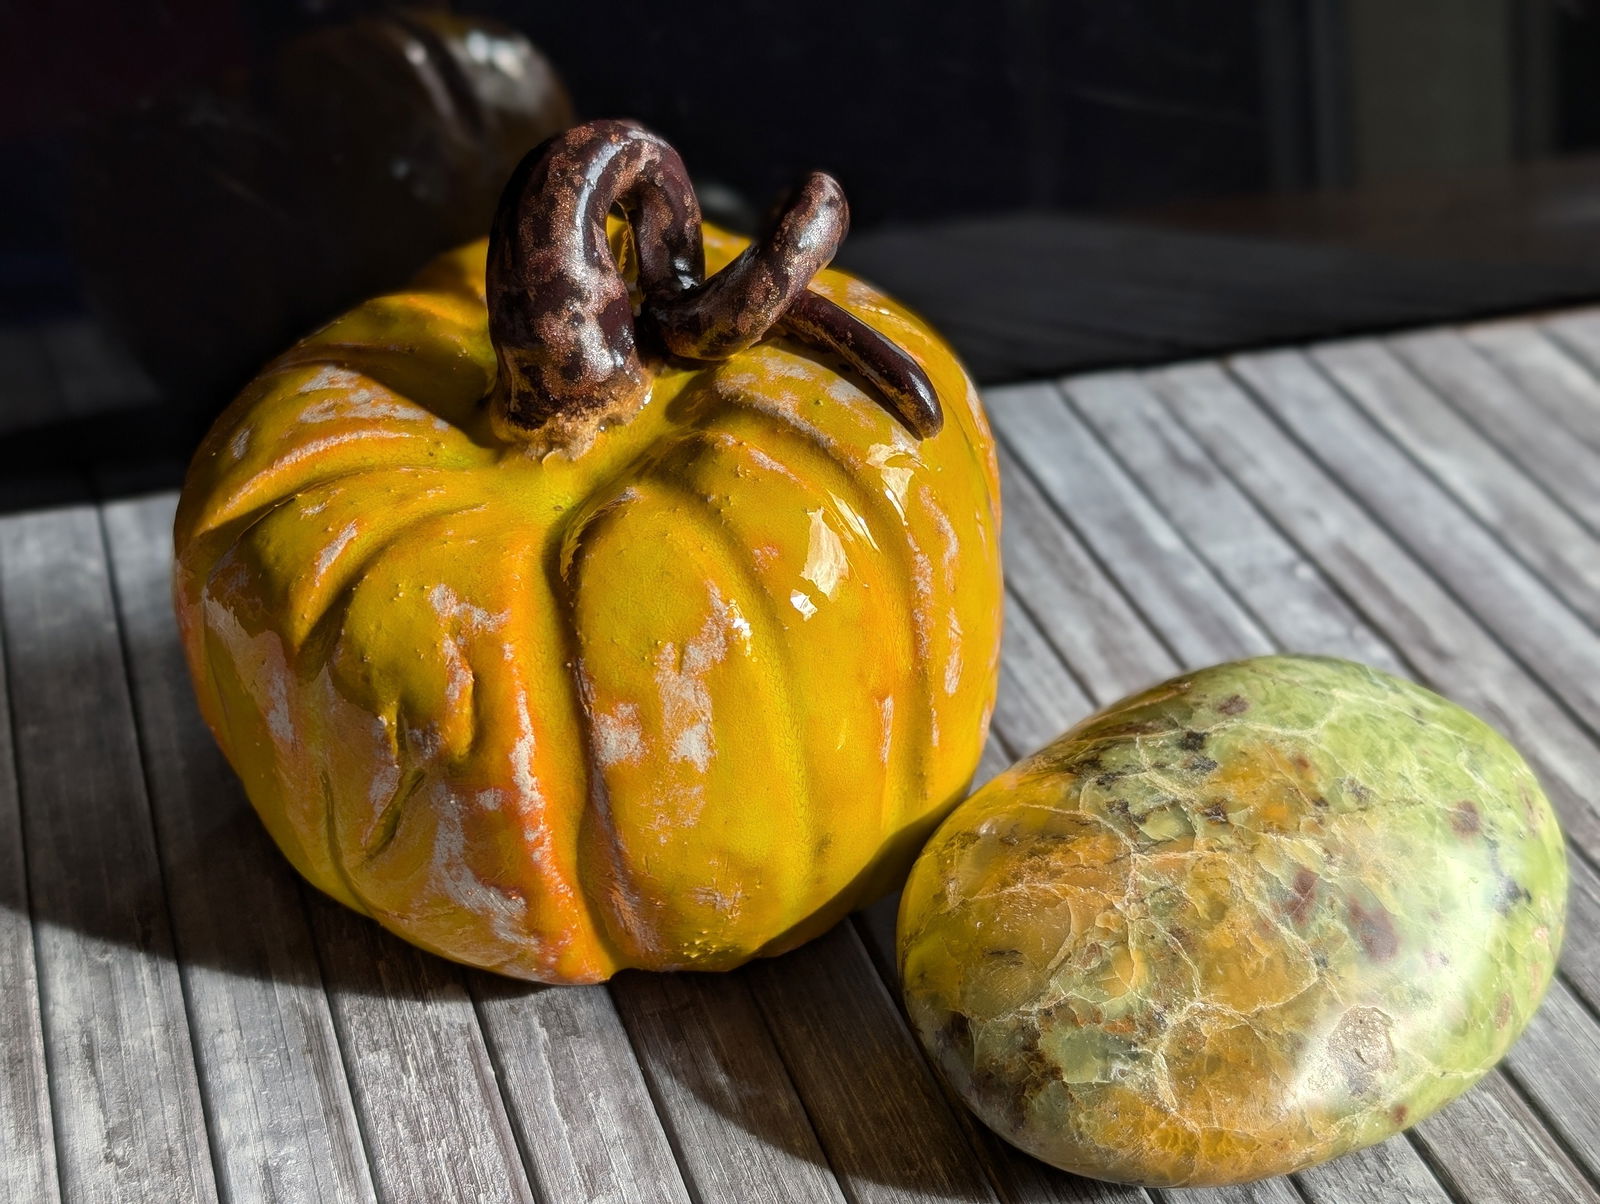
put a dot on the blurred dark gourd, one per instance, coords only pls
(215, 228)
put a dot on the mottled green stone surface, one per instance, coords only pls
(1254, 917)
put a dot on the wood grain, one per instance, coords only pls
(1529, 523)
(129, 1120)
(1449, 1137)
(886, 1128)
(1560, 649)
(426, 1092)
(1511, 390)
(737, 1124)
(1547, 372)
(27, 1136)
(578, 1101)
(1446, 644)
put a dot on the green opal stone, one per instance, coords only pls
(1254, 917)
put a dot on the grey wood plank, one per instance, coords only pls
(1280, 1189)
(1077, 609)
(1489, 1145)
(1037, 699)
(887, 1129)
(96, 374)
(1578, 334)
(569, 1077)
(1484, 480)
(1320, 621)
(1499, 384)
(1557, 645)
(1391, 1172)
(1451, 1135)
(129, 1122)
(1580, 960)
(1443, 645)
(738, 1126)
(269, 1059)
(567, 1070)
(27, 1136)
(1279, 586)
(1543, 369)
(1146, 557)
(577, 1097)
(1042, 428)
(425, 1088)
(1557, 1063)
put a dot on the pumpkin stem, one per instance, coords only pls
(561, 319)
(559, 313)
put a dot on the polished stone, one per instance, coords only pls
(1252, 918)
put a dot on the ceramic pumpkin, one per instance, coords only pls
(585, 611)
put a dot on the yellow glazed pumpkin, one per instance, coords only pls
(574, 649)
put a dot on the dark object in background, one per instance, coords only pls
(216, 227)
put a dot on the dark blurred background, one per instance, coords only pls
(1058, 184)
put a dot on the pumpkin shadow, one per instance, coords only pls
(810, 1053)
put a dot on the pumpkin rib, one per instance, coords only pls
(803, 782)
(625, 819)
(719, 440)
(391, 524)
(466, 748)
(890, 519)
(546, 569)
(235, 509)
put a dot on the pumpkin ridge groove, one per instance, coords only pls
(551, 566)
(323, 632)
(235, 511)
(387, 824)
(335, 853)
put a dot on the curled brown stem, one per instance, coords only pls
(560, 315)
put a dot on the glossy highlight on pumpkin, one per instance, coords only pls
(681, 700)
(1254, 917)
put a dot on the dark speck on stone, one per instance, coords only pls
(1303, 895)
(1375, 930)
(1464, 818)
(1510, 894)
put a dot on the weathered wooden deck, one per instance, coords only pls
(183, 1020)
